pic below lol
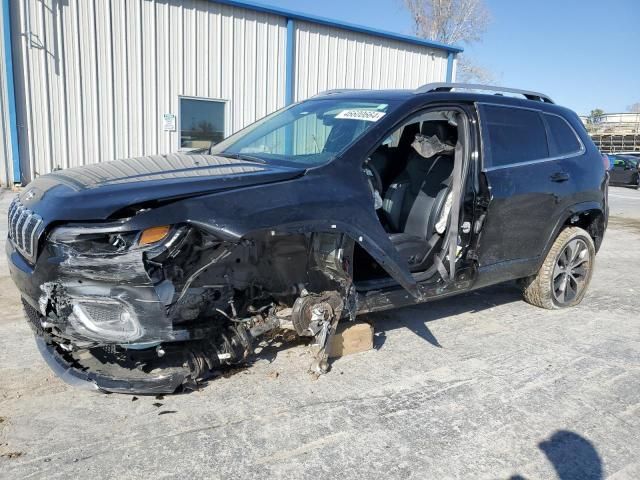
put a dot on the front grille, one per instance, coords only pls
(24, 229)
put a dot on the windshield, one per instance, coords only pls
(307, 134)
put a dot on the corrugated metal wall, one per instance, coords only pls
(6, 154)
(96, 76)
(328, 58)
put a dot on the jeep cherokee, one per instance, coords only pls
(145, 275)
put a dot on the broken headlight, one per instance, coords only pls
(106, 239)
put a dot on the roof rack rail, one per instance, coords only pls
(336, 90)
(447, 87)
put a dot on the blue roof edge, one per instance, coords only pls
(337, 24)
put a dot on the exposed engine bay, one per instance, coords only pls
(162, 317)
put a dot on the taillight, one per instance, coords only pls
(605, 161)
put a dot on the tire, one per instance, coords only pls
(565, 274)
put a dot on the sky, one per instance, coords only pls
(584, 54)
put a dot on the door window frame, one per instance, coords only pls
(486, 162)
(226, 123)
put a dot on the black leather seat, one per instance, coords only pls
(414, 200)
(390, 161)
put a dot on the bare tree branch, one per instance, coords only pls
(471, 72)
(449, 21)
(453, 21)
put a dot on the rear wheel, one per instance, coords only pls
(565, 273)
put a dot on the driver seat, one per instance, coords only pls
(413, 202)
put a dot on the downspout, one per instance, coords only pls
(290, 62)
(289, 66)
(450, 59)
(11, 95)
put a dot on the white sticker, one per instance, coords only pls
(169, 122)
(367, 115)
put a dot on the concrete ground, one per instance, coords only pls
(480, 386)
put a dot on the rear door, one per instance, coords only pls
(529, 186)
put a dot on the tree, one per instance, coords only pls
(634, 107)
(595, 114)
(453, 22)
(449, 21)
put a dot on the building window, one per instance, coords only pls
(201, 122)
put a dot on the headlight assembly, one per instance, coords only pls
(106, 239)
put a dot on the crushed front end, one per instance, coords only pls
(152, 310)
(146, 311)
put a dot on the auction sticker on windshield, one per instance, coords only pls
(367, 115)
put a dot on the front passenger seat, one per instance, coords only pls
(413, 202)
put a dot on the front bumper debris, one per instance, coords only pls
(156, 370)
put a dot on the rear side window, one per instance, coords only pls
(563, 138)
(515, 135)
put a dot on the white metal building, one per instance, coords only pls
(89, 81)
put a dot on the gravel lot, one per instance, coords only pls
(480, 386)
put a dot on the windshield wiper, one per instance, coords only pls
(241, 156)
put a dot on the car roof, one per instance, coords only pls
(451, 96)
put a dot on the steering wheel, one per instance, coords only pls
(374, 178)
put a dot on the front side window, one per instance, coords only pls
(308, 134)
(201, 123)
(619, 162)
(514, 135)
(562, 136)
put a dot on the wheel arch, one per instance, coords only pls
(590, 216)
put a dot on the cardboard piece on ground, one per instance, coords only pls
(351, 338)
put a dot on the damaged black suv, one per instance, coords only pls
(145, 275)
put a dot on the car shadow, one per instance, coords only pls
(478, 301)
(573, 457)
(471, 302)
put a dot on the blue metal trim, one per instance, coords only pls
(290, 63)
(11, 94)
(450, 58)
(290, 14)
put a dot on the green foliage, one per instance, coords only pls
(595, 115)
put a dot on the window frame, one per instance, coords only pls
(425, 108)
(487, 160)
(551, 141)
(225, 103)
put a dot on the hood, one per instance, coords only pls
(94, 192)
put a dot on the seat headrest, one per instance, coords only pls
(441, 129)
(407, 136)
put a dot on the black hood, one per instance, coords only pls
(95, 192)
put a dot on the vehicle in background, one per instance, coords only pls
(626, 170)
(607, 161)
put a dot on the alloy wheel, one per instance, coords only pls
(571, 271)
